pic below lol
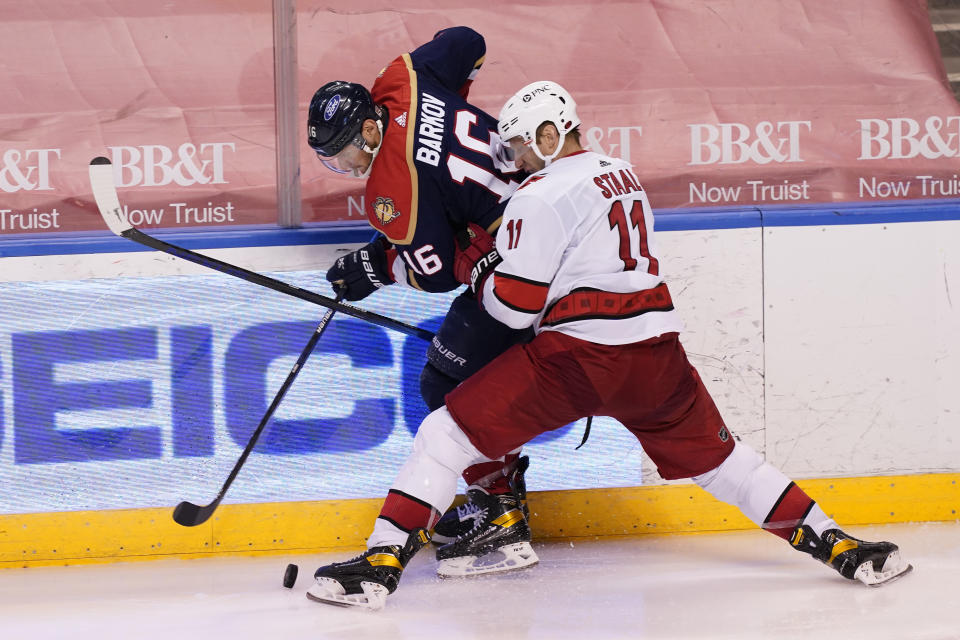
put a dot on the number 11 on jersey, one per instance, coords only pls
(618, 221)
(513, 233)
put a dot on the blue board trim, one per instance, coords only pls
(194, 238)
(860, 213)
(699, 219)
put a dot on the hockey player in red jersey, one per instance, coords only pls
(576, 260)
(434, 165)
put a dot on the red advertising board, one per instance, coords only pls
(179, 95)
(718, 102)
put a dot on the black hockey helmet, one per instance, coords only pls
(336, 115)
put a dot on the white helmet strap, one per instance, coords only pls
(371, 150)
(548, 159)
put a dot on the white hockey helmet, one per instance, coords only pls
(536, 103)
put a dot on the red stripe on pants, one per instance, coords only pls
(491, 475)
(408, 512)
(788, 512)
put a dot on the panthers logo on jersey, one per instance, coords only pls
(385, 210)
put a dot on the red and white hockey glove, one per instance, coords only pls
(475, 258)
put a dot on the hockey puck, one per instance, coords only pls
(290, 576)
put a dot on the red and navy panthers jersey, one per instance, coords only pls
(439, 164)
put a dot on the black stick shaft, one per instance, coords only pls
(277, 285)
(190, 515)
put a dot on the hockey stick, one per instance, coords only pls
(105, 193)
(189, 514)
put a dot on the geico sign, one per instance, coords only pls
(899, 138)
(155, 165)
(28, 170)
(736, 143)
(190, 378)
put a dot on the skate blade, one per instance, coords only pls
(893, 568)
(440, 540)
(330, 591)
(510, 557)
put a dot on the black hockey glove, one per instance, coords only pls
(476, 257)
(362, 272)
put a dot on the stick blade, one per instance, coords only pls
(105, 193)
(188, 514)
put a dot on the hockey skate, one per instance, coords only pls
(872, 563)
(367, 580)
(459, 521)
(499, 540)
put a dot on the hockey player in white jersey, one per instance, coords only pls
(575, 258)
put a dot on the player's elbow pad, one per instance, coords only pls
(509, 317)
(519, 320)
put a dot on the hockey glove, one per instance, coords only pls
(476, 257)
(364, 271)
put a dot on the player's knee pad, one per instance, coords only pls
(745, 480)
(441, 451)
(724, 481)
(434, 386)
(441, 439)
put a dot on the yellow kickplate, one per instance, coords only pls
(303, 527)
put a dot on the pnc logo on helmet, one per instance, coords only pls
(536, 90)
(331, 107)
(385, 210)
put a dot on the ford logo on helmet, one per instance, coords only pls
(331, 107)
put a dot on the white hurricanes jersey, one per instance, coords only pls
(579, 257)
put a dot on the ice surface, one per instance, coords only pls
(743, 585)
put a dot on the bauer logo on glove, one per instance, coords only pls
(364, 271)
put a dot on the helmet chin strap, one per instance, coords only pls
(372, 151)
(548, 159)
